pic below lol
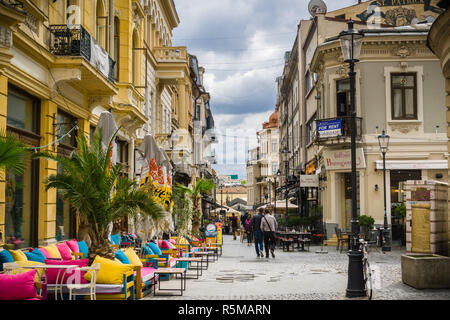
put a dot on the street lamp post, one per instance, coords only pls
(351, 43)
(275, 193)
(383, 140)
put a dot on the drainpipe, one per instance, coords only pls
(111, 27)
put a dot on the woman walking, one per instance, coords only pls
(248, 229)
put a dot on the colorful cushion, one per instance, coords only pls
(115, 239)
(83, 248)
(35, 256)
(189, 238)
(146, 250)
(122, 257)
(53, 250)
(147, 274)
(133, 257)
(172, 241)
(163, 244)
(154, 248)
(5, 257)
(40, 272)
(71, 275)
(18, 287)
(111, 272)
(45, 253)
(64, 251)
(171, 244)
(18, 255)
(73, 245)
(182, 240)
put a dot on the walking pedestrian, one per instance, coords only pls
(248, 230)
(269, 225)
(257, 232)
(234, 225)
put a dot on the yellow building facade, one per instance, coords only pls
(64, 62)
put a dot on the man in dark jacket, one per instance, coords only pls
(255, 225)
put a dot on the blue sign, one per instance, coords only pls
(329, 128)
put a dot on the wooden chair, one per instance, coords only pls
(341, 240)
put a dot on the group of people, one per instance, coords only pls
(262, 227)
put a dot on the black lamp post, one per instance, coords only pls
(383, 140)
(351, 43)
(275, 193)
(286, 153)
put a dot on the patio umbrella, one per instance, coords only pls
(109, 127)
(280, 206)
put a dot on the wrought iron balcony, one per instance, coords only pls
(14, 4)
(75, 41)
(336, 130)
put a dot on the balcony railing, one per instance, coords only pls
(14, 4)
(345, 130)
(75, 41)
(171, 54)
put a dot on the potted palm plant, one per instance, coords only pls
(98, 191)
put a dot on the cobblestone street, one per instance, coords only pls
(294, 275)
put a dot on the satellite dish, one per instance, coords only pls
(316, 7)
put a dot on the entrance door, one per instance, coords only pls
(346, 192)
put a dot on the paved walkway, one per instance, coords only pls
(239, 274)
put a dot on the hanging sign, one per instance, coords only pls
(342, 159)
(309, 181)
(329, 128)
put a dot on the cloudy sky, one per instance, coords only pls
(241, 44)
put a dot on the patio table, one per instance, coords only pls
(169, 271)
(198, 267)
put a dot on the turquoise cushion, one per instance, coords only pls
(122, 257)
(154, 248)
(35, 255)
(115, 239)
(147, 250)
(82, 246)
(5, 257)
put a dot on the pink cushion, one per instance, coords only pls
(172, 241)
(18, 286)
(195, 239)
(65, 251)
(163, 244)
(147, 273)
(71, 275)
(73, 245)
(45, 253)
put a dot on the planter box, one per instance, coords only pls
(426, 271)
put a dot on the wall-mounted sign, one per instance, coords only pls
(310, 167)
(329, 128)
(309, 181)
(342, 159)
(421, 194)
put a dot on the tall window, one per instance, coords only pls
(101, 19)
(135, 59)
(310, 130)
(343, 97)
(116, 48)
(274, 145)
(21, 190)
(404, 96)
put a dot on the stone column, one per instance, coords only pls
(47, 199)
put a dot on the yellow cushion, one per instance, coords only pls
(182, 240)
(39, 273)
(133, 257)
(18, 255)
(111, 272)
(53, 250)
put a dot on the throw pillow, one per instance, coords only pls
(53, 250)
(73, 245)
(18, 255)
(64, 251)
(71, 275)
(146, 250)
(18, 287)
(111, 272)
(164, 244)
(83, 248)
(34, 256)
(5, 257)
(133, 257)
(154, 248)
(45, 253)
(122, 257)
(115, 239)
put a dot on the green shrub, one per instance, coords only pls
(400, 211)
(367, 221)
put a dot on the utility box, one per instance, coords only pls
(427, 225)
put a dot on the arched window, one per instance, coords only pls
(116, 48)
(101, 19)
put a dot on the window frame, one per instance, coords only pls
(403, 90)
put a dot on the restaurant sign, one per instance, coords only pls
(309, 180)
(329, 128)
(341, 159)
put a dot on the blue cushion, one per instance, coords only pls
(5, 257)
(154, 247)
(147, 250)
(122, 257)
(35, 256)
(115, 239)
(188, 238)
(82, 245)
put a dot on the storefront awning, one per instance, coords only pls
(412, 164)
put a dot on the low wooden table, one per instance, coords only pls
(169, 271)
(203, 254)
(198, 267)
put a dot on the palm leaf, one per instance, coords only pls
(12, 153)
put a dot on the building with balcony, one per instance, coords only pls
(399, 89)
(64, 63)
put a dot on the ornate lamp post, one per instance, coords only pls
(383, 141)
(275, 193)
(285, 154)
(351, 43)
